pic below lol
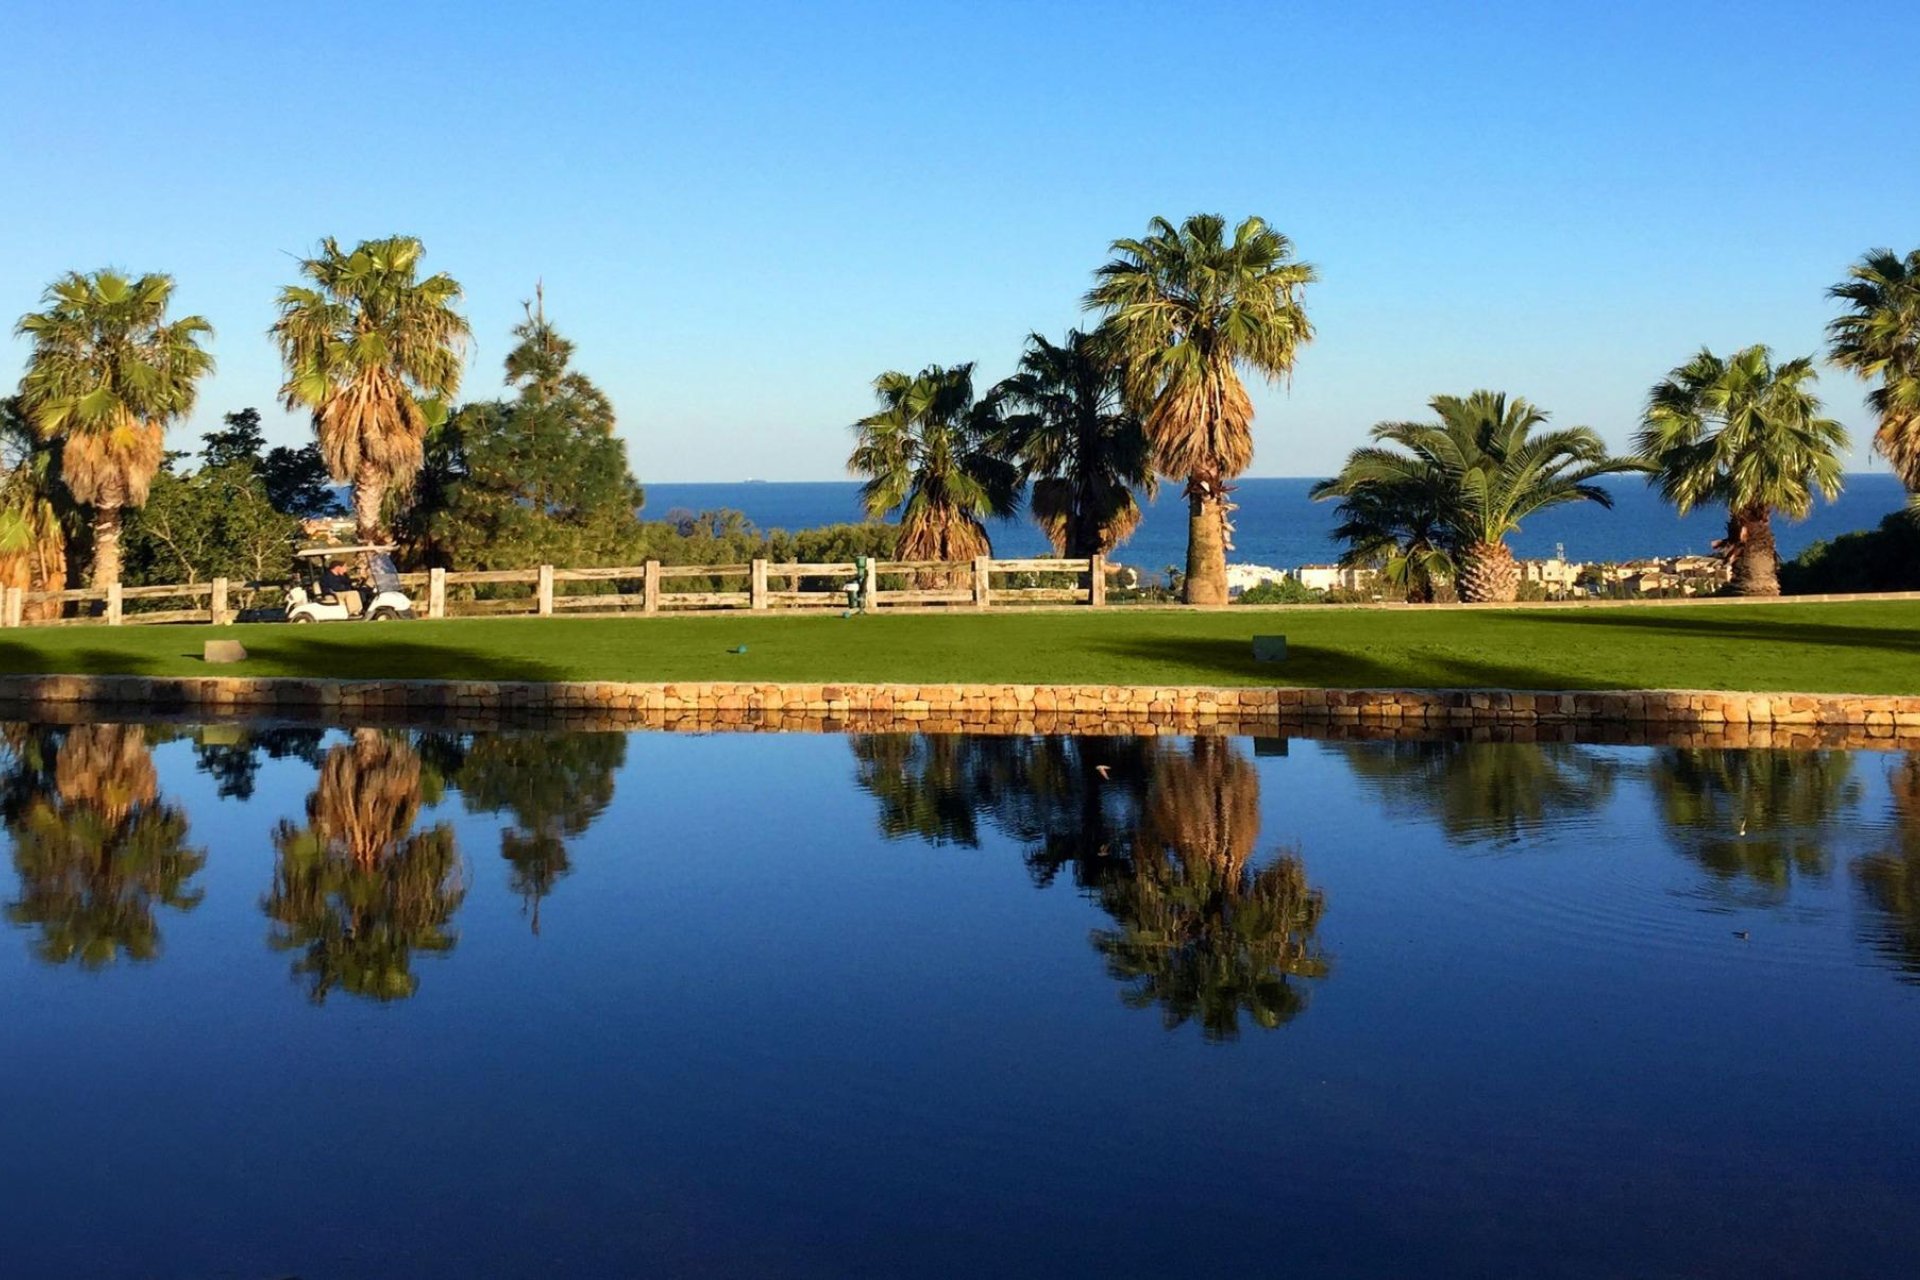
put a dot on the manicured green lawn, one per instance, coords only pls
(1855, 648)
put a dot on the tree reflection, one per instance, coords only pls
(1484, 791)
(96, 848)
(1890, 879)
(1201, 932)
(1753, 819)
(231, 755)
(357, 891)
(553, 785)
(1160, 835)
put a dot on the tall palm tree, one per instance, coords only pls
(1880, 338)
(374, 352)
(1187, 310)
(1747, 434)
(1485, 463)
(108, 372)
(1400, 525)
(928, 451)
(1064, 419)
(34, 508)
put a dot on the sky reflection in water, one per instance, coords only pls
(285, 1001)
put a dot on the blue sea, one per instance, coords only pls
(1278, 525)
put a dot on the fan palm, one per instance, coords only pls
(1187, 310)
(1880, 338)
(1747, 434)
(33, 507)
(374, 352)
(1064, 420)
(1484, 463)
(1398, 524)
(928, 452)
(107, 373)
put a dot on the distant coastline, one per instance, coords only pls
(1278, 524)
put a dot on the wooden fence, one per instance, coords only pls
(756, 586)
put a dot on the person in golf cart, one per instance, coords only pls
(331, 592)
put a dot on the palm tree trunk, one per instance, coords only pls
(369, 496)
(106, 545)
(1756, 562)
(1488, 574)
(1206, 543)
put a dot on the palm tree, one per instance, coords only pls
(1399, 525)
(374, 353)
(108, 372)
(1187, 310)
(1064, 420)
(540, 365)
(1748, 435)
(928, 452)
(34, 509)
(1880, 338)
(1488, 471)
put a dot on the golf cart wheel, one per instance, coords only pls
(382, 614)
(302, 617)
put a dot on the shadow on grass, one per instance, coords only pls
(391, 658)
(1317, 666)
(1899, 641)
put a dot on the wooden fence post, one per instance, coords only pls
(115, 611)
(757, 585)
(13, 612)
(543, 592)
(982, 571)
(436, 593)
(1097, 580)
(870, 585)
(217, 604)
(650, 593)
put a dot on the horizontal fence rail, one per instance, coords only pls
(755, 586)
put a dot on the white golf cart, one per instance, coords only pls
(333, 589)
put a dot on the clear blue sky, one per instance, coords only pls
(744, 212)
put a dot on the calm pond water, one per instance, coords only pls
(318, 1003)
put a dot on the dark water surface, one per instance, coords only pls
(285, 1002)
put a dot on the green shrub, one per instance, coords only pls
(1883, 559)
(1285, 591)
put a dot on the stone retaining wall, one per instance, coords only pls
(1736, 718)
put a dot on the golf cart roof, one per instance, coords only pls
(314, 552)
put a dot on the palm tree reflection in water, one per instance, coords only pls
(357, 891)
(1159, 834)
(95, 846)
(1496, 792)
(1754, 820)
(1890, 878)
